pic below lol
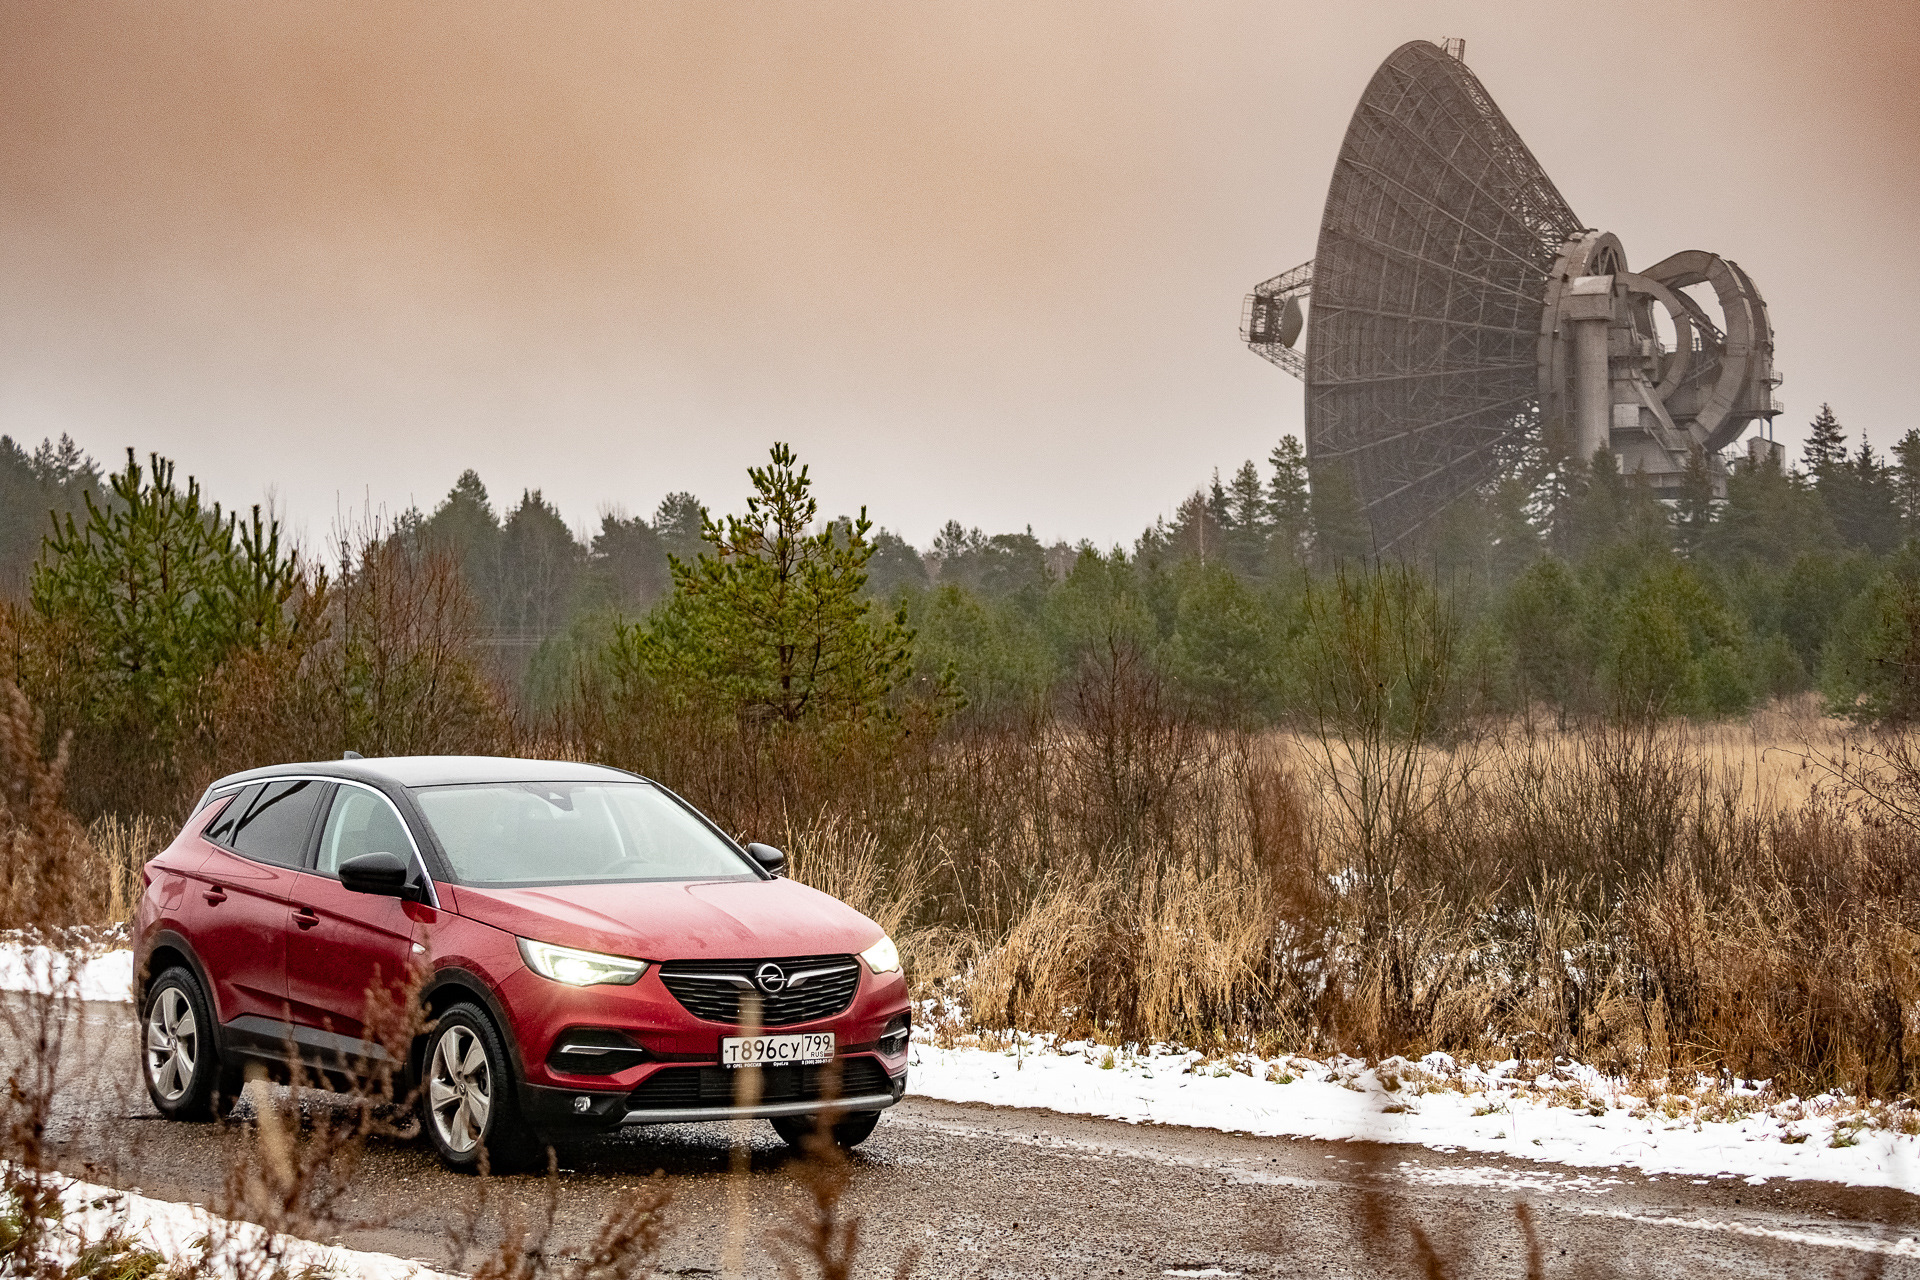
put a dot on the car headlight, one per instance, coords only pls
(579, 968)
(882, 956)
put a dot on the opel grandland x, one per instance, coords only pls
(594, 953)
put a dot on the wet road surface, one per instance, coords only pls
(986, 1191)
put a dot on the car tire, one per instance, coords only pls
(468, 1104)
(849, 1132)
(179, 1053)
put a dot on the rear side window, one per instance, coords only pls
(275, 823)
(220, 830)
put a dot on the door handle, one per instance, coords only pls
(306, 917)
(214, 896)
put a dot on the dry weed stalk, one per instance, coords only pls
(746, 1093)
(820, 1231)
(41, 849)
(625, 1245)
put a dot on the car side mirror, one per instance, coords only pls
(381, 873)
(770, 859)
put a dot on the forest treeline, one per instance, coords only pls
(1581, 593)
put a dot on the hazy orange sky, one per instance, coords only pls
(974, 260)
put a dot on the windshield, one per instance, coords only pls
(524, 833)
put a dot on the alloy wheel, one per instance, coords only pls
(173, 1044)
(460, 1089)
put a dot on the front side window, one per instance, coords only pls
(530, 833)
(360, 822)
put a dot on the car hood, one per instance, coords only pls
(713, 920)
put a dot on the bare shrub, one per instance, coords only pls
(392, 667)
(820, 1232)
(42, 845)
(1380, 660)
(1128, 752)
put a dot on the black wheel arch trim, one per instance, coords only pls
(142, 978)
(469, 983)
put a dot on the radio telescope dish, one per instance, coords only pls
(1459, 315)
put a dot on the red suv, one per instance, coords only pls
(597, 953)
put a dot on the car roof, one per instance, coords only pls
(431, 771)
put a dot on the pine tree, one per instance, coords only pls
(1516, 539)
(1694, 514)
(1247, 500)
(1906, 480)
(1287, 497)
(1614, 510)
(953, 543)
(49, 480)
(678, 522)
(540, 566)
(1458, 542)
(1771, 516)
(1547, 649)
(464, 526)
(1826, 447)
(149, 594)
(1197, 533)
(1867, 509)
(1218, 508)
(1872, 673)
(628, 563)
(895, 567)
(1248, 526)
(773, 623)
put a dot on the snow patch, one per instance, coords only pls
(40, 969)
(1572, 1116)
(188, 1233)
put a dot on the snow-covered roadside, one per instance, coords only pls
(189, 1234)
(1574, 1116)
(105, 976)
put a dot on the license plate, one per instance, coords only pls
(757, 1051)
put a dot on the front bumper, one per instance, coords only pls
(769, 1110)
(551, 1110)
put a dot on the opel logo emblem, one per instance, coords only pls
(770, 978)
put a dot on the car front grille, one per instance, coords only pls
(712, 989)
(692, 1087)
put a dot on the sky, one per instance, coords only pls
(974, 260)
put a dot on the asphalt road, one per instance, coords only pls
(987, 1191)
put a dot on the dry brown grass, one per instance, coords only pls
(119, 848)
(836, 857)
(1654, 900)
